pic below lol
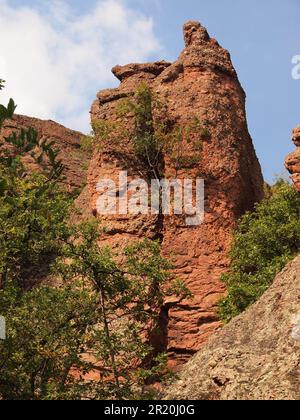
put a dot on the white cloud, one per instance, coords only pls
(54, 62)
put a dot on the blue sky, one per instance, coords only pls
(261, 35)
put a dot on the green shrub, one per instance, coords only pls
(93, 304)
(264, 242)
(46, 331)
(87, 144)
(33, 206)
(143, 121)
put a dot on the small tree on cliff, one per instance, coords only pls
(154, 135)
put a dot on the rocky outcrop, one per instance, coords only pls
(255, 357)
(66, 141)
(204, 84)
(292, 162)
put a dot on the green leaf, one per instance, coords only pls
(3, 186)
(11, 107)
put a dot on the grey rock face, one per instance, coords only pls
(255, 357)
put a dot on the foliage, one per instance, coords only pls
(99, 316)
(146, 137)
(30, 228)
(7, 112)
(87, 144)
(32, 205)
(129, 298)
(191, 137)
(99, 320)
(42, 327)
(263, 243)
(154, 136)
(45, 339)
(25, 142)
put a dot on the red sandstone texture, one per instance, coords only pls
(66, 141)
(201, 83)
(292, 162)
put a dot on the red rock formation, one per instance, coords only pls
(66, 141)
(256, 356)
(201, 83)
(292, 162)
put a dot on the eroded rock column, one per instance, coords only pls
(201, 84)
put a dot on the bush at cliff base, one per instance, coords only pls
(264, 242)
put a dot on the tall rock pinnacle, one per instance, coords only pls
(202, 83)
(194, 33)
(203, 51)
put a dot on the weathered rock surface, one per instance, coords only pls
(67, 142)
(204, 84)
(255, 357)
(292, 162)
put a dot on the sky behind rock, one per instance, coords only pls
(56, 55)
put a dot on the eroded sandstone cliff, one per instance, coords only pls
(66, 141)
(255, 357)
(204, 84)
(292, 162)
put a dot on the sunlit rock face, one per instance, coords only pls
(292, 162)
(256, 356)
(202, 83)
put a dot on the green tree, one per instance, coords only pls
(99, 311)
(46, 334)
(33, 206)
(129, 298)
(45, 325)
(264, 242)
(154, 135)
(99, 320)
